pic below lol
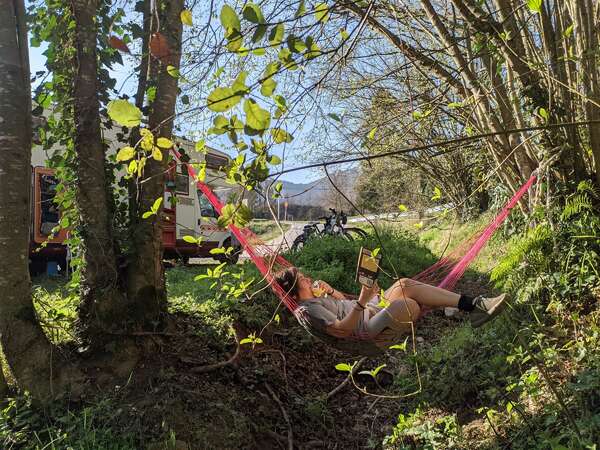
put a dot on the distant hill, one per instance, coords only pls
(320, 192)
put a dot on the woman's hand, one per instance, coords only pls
(367, 293)
(326, 287)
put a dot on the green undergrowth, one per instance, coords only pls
(527, 380)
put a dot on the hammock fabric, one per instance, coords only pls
(445, 273)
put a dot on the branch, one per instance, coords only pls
(348, 378)
(236, 356)
(285, 416)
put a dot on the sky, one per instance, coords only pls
(122, 75)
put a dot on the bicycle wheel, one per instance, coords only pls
(355, 233)
(298, 244)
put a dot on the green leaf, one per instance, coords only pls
(295, 44)
(375, 371)
(455, 105)
(268, 87)
(124, 113)
(239, 85)
(280, 136)
(569, 31)
(201, 146)
(343, 367)
(301, 9)
(402, 207)
(259, 51)
(256, 118)
(543, 113)
(190, 239)
(261, 30)
(278, 186)
(335, 117)
(222, 99)
(125, 154)
(322, 12)
(276, 34)
(535, 6)
(157, 154)
(173, 71)
(344, 34)
(371, 134)
(253, 13)
(156, 204)
(400, 346)
(437, 194)
(220, 121)
(217, 251)
(275, 160)
(229, 18)
(147, 214)
(375, 252)
(186, 18)
(163, 142)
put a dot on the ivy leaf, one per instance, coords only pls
(535, 6)
(343, 367)
(280, 136)
(253, 13)
(124, 113)
(229, 18)
(125, 154)
(276, 34)
(322, 12)
(186, 18)
(222, 99)
(163, 142)
(157, 154)
(256, 118)
(437, 194)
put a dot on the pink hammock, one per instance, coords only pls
(445, 273)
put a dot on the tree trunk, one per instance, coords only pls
(3, 384)
(29, 354)
(146, 282)
(102, 307)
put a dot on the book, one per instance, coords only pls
(367, 268)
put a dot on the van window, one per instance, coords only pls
(206, 208)
(182, 180)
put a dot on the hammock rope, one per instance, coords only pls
(445, 273)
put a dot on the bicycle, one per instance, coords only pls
(333, 226)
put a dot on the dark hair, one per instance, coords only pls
(288, 280)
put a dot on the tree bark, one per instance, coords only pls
(3, 383)
(102, 307)
(30, 356)
(146, 282)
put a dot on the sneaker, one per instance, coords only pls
(486, 309)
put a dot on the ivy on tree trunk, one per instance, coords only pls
(103, 306)
(32, 359)
(146, 281)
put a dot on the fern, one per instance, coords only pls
(576, 204)
(522, 252)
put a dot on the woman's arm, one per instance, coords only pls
(331, 291)
(344, 327)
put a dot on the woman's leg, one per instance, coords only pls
(423, 294)
(398, 315)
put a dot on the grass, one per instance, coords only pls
(480, 388)
(267, 230)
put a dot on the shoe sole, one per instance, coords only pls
(497, 309)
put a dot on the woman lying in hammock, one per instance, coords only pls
(332, 316)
